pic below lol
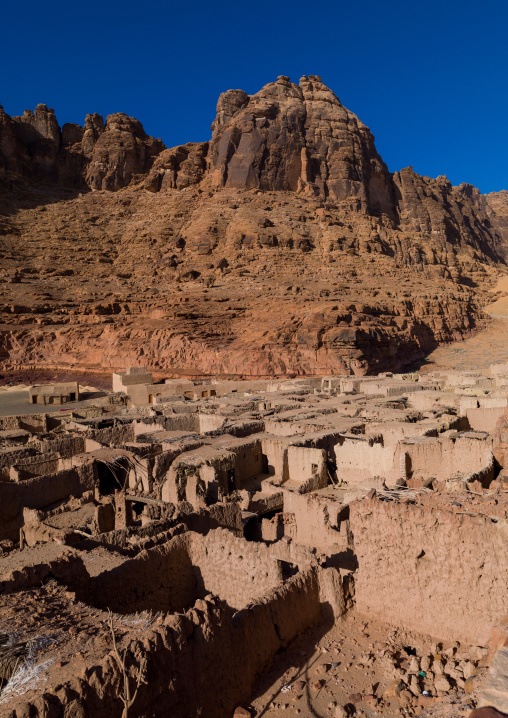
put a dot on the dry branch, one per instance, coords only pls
(126, 697)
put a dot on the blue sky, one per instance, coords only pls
(428, 78)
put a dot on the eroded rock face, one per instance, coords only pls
(178, 167)
(233, 282)
(500, 446)
(451, 216)
(99, 155)
(297, 138)
(121, 151)
(29, 144)
(497, 211)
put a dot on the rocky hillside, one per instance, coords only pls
(281, 246)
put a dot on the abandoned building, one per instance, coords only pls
(54, 393)
(207, 527)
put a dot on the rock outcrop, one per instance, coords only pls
(178, 167)
(298, 138)
(497, 210)
(99, 155)
(121, 151)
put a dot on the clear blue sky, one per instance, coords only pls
(428, 77)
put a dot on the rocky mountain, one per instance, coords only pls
(281, 246)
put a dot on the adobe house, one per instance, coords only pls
(53, 393)
(138, 384)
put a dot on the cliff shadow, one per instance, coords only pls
(18, 194)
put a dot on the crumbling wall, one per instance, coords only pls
(201, 478)
(326, 440)
(162, 462)
(38, 493)
(182, 422)
(359, 460)
(210, 422)
(113, 435)
(64, 446)
(208, 646)
(68, 567)
(37, 466)
(8, 457)
(429, 570)
(444, 457)
(275, 449)
(306, 463)
(320, 522)
(236, 570)
(248, 461)
(172, 576)
(484, 418)
(220, 515)
(148, 425)
(36, 423)
(131, 540)
(159, 579)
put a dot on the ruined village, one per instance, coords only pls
(313, 546)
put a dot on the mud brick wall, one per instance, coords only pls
(173, 576)
(426, 569)
(200, 663)
(218, 515)
(113, 436)
(38, 466)
(67, 568)
(320, 521)
(159, 579)
(484, 418)
(181, 422)
(39, 492)
(162, 462)
(444, 457)
(65, 446)
(29, 422)
(359, 460)
(15, 455)
(232, 568)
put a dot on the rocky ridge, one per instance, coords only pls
(281, 246)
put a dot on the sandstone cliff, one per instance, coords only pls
(497, 211)
(282, 246)
(298, 138)
(99, 155)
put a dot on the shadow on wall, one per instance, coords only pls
(158, 582)
(343, 560)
